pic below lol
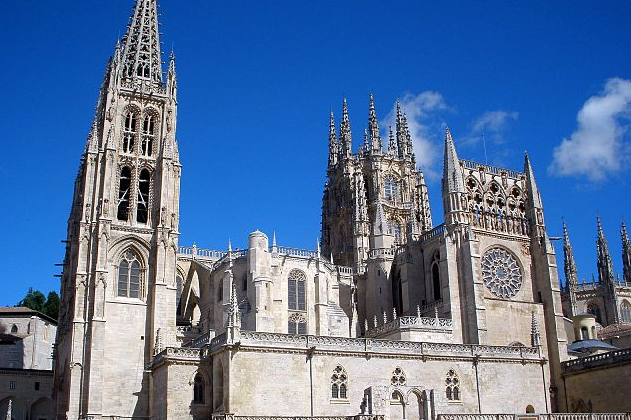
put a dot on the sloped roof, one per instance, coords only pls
(24, 311)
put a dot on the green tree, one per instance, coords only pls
(51, 307)
(36, 301)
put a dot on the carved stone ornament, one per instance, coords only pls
(501, 273)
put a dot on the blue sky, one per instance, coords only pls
(257, 81)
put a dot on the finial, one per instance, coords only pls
(274, 239)
(436, 313)
(375, 322)
(418, 311)
(394, 314)
(332, 259)
(365, 325)
(385, 318)
(318, 245)
(535, 337)
(229, 245)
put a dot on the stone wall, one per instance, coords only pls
(600, 383)
(29, 391)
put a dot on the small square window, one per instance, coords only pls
(12, 385)
(36, 386)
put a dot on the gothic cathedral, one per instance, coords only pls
(390, 317)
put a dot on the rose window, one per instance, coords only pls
(501, 273)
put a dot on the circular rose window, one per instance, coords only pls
(501, 273)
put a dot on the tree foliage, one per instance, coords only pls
(36, 301)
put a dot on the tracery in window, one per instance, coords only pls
(436, 276)
(199, 387)
(501, 273)
(339, 383)
(297, 323)
(297, 299)
(129, 276)
(625, 311)
(124, 194)
(391, 188)
(129, 133)
(398, 377)
(148, 135)
(142, 212)
(452, 386)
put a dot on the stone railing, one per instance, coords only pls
(469, 164)
(200, 341)
(357, 417)
(189, 329)
(375, 346)
(412, 322)
(180, 353)
(204, 254)
(283, 250)
(382, 252)
(555, 416)
(438, 230)
(345, 270)
(597, 361)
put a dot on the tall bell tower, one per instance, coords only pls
(118, 284)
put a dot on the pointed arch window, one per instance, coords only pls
(129, 133)
(129, 276)
(339, 383)
(179, 284)
(625, 312)
(452, 386)
(14, 329)
(199, 389)
(148, 135)
(123, 194)
(297, 299)
(436, 276)
(142, 212)
(391, 188)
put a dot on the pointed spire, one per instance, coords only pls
(531, 184)
(380, 224)
(392, 146)
(605, 267)
(626, 254)
(345, 131)
(571, 277)
(373, 128)
(535, 336)
(172, 77)
(229, 245)
(452, 177)
(400, 131)
(333, 145)
(142, 58)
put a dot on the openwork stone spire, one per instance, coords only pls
(333, 145)
(571, 277)
(392, 147)
(345, 131)
(626, 254)
(141, 45)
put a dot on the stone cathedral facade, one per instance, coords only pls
(389, 316)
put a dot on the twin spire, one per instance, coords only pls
(604, 264)
(399, 141)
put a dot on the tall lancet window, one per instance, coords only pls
(129, 276)
(129, 133)
(148, 136)
(123, 194)
(391, 189)
(142, 212)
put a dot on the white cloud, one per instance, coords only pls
(425, 128)
(492, 125)
(597, 148)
